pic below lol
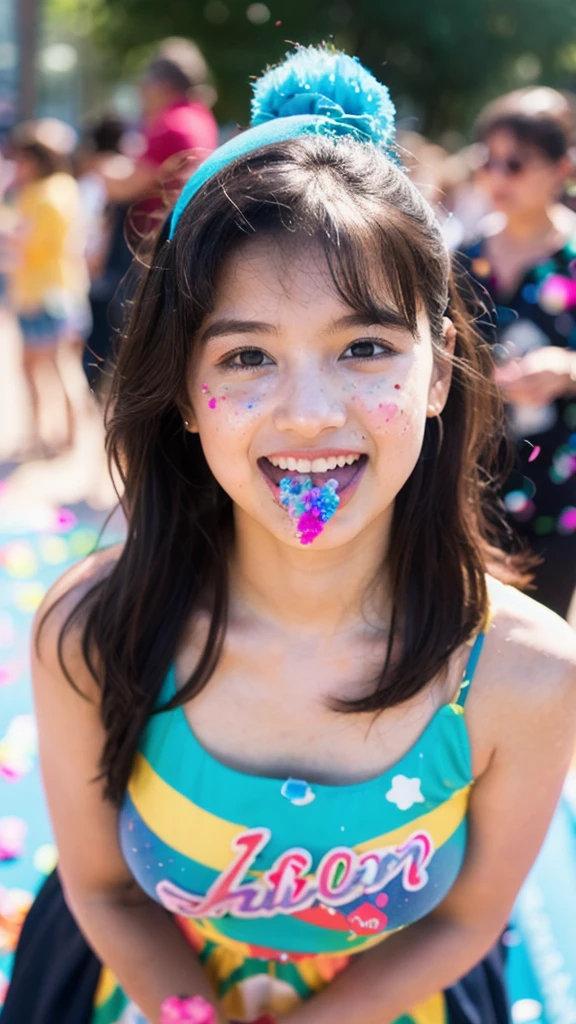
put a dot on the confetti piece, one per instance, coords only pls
(83, 541)
(53, 550)
(567, 521)
(65, 520)
(205, 389)
(18, 748)
(12, 835)
(14, 905)
(28, 596)
(45, 858)
(534, 453)
(7, 632)
(20, 559)
(212, 403)
(298, 792)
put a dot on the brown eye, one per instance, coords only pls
(362, 349)
(251, 357)
(247, 359)
(366, 349)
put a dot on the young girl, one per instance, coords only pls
(303, 719)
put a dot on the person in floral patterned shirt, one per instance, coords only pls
(525, 263)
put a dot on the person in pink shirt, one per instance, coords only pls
(180, 131)
(177, 119)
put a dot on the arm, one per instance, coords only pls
(130, 933)
(539, 377)
(129, 188)
(510, 809)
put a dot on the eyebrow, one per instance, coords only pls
(227, 325)
(385, 316)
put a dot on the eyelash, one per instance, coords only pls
(387, 350)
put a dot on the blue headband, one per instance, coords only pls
(315, 91)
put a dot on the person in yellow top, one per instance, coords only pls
(49, 278)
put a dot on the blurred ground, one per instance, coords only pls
(79, 474)
(51, 514)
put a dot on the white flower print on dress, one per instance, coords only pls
(405, 792)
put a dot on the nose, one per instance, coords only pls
(308, 405)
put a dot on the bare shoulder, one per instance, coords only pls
(65, 597)
(530, 652)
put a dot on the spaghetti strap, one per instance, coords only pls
(470, 669)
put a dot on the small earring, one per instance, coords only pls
(186, 424)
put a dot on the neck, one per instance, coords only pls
(527, 226)
(324, 591)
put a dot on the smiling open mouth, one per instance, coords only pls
(342, 468)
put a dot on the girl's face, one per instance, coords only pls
(287, 379)
(519, 178)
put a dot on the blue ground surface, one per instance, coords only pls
(35, 548)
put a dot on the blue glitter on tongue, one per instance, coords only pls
(309, 507)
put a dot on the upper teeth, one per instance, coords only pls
(315, 466)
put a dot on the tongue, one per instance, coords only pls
(342, 475)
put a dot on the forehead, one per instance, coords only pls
(505, 141)
(288, 284)
(274, 272)
(279, 272)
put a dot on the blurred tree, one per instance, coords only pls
(441, 59)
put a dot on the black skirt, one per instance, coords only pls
(56, 973)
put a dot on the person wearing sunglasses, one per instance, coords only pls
(525, 263)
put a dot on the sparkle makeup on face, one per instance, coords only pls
(212, 401)
(389, 410)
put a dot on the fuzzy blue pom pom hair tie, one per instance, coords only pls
(315, 91)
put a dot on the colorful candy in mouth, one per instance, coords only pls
(309, 507)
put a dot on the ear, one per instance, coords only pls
(442, 374)
(188, 418)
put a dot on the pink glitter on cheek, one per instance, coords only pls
(389, 410)
(205, 389)
(212, 403)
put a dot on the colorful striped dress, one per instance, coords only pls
(277, 883)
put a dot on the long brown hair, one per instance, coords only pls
(373, 225)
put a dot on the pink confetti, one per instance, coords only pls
(65, 520)
(397, 386)
(205, 389)
(12, 835)
(567, 521)
(212, 403)
(534, 453)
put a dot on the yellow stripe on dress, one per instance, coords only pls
(107, 985)
(441, 823)
(433, 1011)
(203, 837)
(181, 824)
